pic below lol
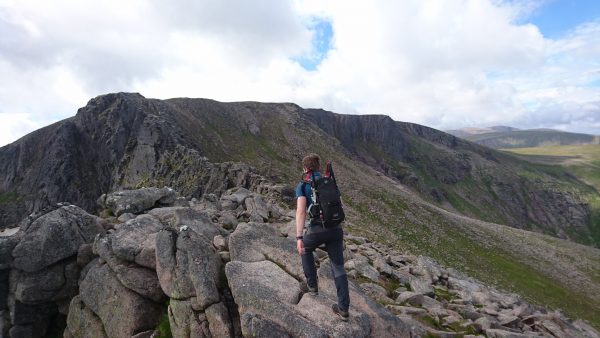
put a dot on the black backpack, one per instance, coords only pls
(326, 207)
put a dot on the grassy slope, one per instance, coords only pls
(529, 138)
(387, 212)
(583, 161)
(476, 194)
(533, 265)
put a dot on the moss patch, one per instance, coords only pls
(444, 294)
(9, 197)
(390, 284)
(163, 328)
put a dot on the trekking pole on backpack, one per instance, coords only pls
(329, 172)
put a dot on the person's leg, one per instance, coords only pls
(335, 249)
(308, 259)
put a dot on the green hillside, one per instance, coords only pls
(543, 269)
(582, 160)
(527, 138)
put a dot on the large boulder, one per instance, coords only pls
(255, 325)
(198, 221)
(253, 242)
(82, 322)
(363, 268)
(122, 311)
(318, 311)
(239, 195)
(188, 266)
(128, 242)
(147, 255)
(53, 283)
(382, 322)
(264, 280)
(257, 208)
(264, 291)
(219, 320)
(55, 236)
(272, 304)
(233, 198)
(185, 322)
(139, 279)
(136, 201)
(44, 273)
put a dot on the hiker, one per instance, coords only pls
(321, 230)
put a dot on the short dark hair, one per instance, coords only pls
(312, 162)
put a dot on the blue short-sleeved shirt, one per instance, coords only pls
(304, 189)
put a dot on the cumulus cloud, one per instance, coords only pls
(563, 93)
(444, 64)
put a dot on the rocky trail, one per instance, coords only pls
(226, 265)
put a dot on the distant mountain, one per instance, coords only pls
(502, 137)
(126, 140)
(405, 185)
(466, 132)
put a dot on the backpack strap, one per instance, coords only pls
(313, 185)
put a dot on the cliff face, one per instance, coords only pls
(108, 143)
(124, 140)
(464, 176)
(49, 165)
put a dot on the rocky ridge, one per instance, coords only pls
(124, 140)
(225, 265)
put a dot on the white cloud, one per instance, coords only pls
(15, 125)
(444, 64)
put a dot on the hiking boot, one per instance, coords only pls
(313, 291)
(342, 314)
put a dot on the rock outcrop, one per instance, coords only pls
(166, 263)
(136, 201)
(191, 270)
(40, 271)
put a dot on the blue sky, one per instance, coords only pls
(555, 18)
(321, 43)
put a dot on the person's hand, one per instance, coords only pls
(300, 246)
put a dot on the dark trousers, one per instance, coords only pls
(333, 238)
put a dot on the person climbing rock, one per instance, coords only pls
(319, 197)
